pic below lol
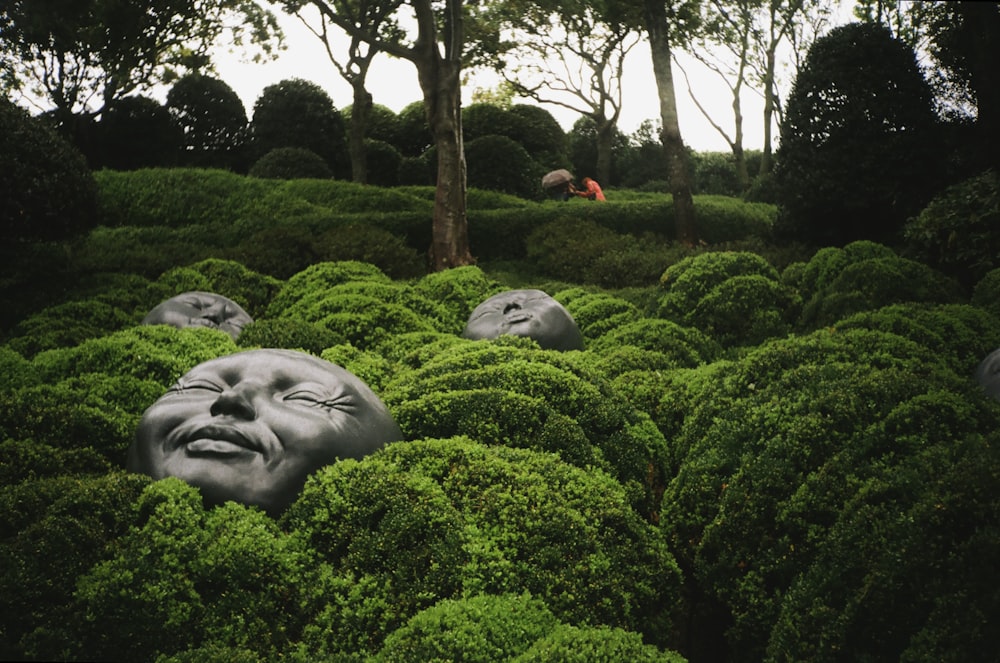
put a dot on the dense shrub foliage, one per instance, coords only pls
(760, 454)
(49, 192)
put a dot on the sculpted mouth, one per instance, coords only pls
(216, 440)
(518, 317)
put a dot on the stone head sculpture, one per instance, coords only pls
(988, 374)
(252, 426)
(530, 313)
(200, 309)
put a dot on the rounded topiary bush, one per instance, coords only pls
(482, 628)
(771, 454)
(49, 191)
(288, 333)
(53, 531)
(986, 293)
(583, 644)
(287, 163)
(459, 290)
(248, 288)
(687, 282)
(623, 438)
(687, 346)
(66, 325)
(185, 577)
(435, 519)
(869, 284)
(317, 278)
(384, 162)
(376, 246)
(499, 163)
(598, 313)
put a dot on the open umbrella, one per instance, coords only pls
(556, 178)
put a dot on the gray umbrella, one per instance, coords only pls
(556, 177)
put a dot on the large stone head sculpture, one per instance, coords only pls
(988, 374)
(252, 426)
(530, 313)
(200, 309)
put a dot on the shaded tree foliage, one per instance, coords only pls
(213, 120)
(138, 133)
(858, 151)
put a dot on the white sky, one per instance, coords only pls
(393, 83)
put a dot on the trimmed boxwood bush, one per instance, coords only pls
(582, 644)
(251, 290)
(631, 448)
(185, 578)
(288, 163)
(481, 629)
(54, 530)
(435, 519)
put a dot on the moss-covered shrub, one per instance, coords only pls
(287, 163)
(582, 251)
(384, 162)
(318, 278)
(687, 282)
(959, 335)
(289, 333)
(66, 325)
(278, 251)
(986, 293)
(459, 291)
(367, 313)
(436, 519)
(482, 629)
(92, 411)
(148, 352)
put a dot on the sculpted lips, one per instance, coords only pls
(216, 439)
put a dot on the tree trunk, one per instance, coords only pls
(673, 145)
(766, 158)
(440, 82)
(605, 147)
(360, 112)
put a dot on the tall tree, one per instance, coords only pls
(658, 23)
(439, 50)
(368, 18)
(77, 59)
(571, 54)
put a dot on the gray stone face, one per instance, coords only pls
(252, 426)
(530, 313)
(200, 309)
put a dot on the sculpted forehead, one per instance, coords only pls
(279, 368)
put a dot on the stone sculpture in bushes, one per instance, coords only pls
(530, 313)
(251, 427)
(200, 309)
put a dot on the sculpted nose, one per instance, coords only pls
(216, 312)
(235, 402)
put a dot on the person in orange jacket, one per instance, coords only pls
(591, 190)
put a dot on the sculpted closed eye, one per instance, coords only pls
(305, 397)
(195, 384)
